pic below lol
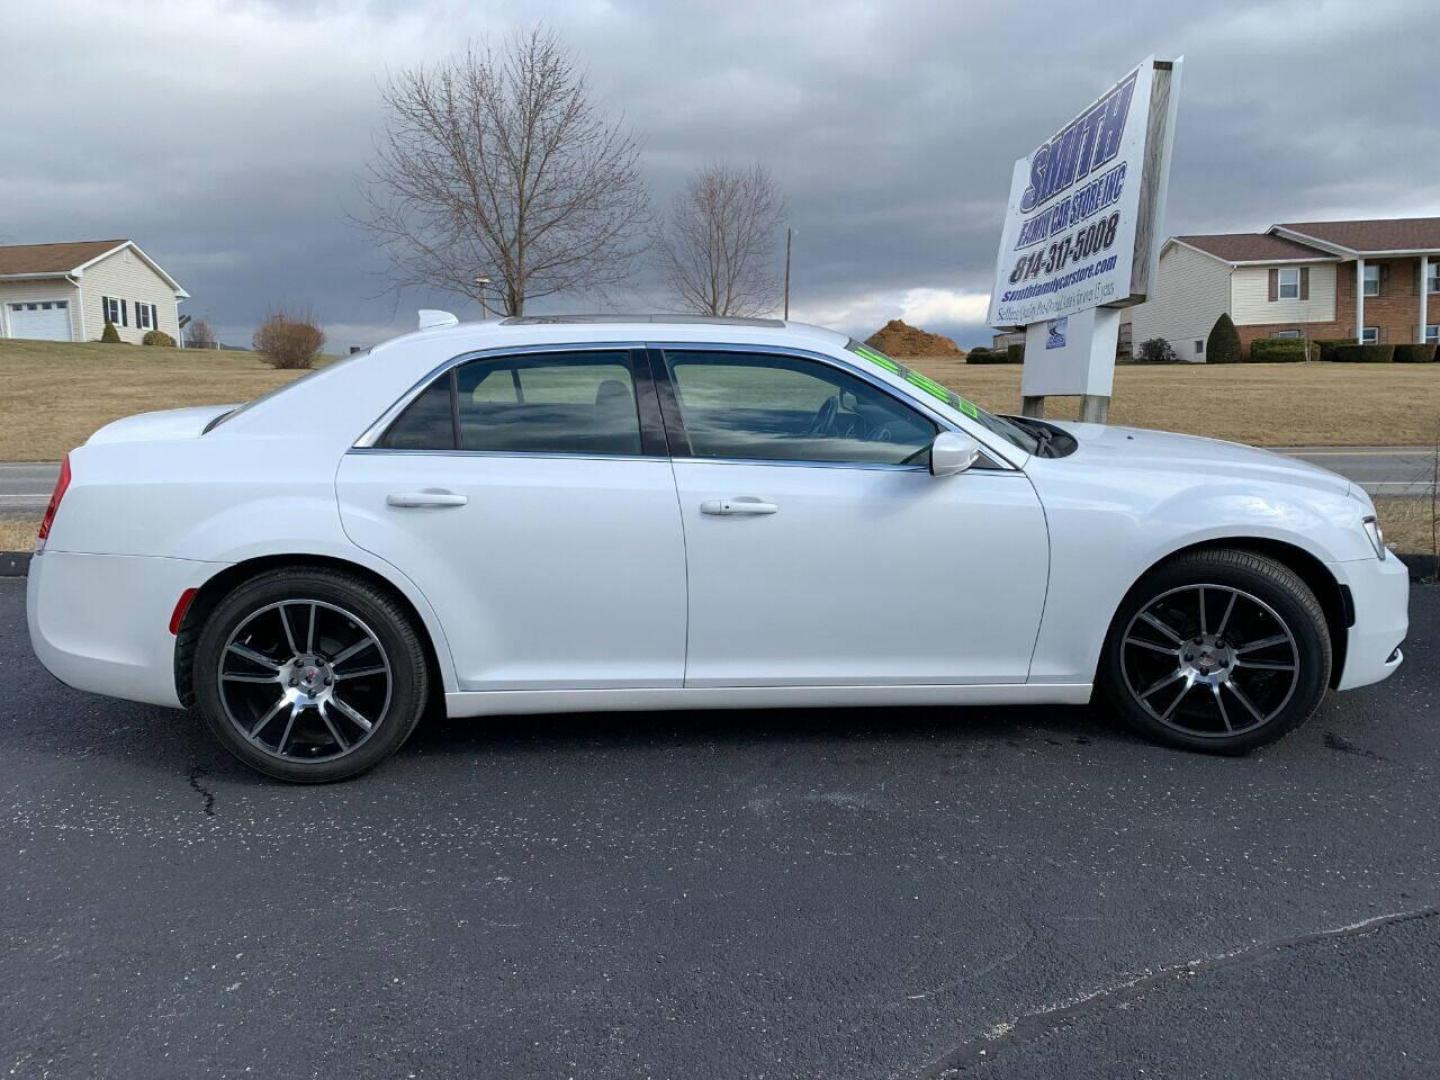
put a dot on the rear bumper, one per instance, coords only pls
(102, 622)
(1381, 591)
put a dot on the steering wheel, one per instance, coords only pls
(824, 420)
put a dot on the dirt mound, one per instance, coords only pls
(898, 339)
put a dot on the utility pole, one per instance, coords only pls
(789, 232)
(480, 283)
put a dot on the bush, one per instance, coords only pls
(1327, 346)
(198, 335)
(110, 335)
(1223, 344)
(1278, 350)
(1363, 354)
(1015, 354)
(289, 341)
(158, 337)
(1415, 354)
(1155, 350)
(983, 355)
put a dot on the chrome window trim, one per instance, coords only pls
(372, 434)
(544, 454)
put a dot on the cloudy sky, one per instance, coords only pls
(226, 136)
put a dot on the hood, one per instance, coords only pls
(1161, 451)
(159, 426)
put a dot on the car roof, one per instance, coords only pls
(556, 329)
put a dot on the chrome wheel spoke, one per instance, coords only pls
(253, 656)
(354, 650)
(289, 727)
(340, 740)
(274, 712)
(1142, 643)
(1241, 697)
(351, 712)
(1176, 703)
(231, 676)
(1200, 592)
(1264, 665)
(360, 673)
(1154, 620)
(310, 629)
(1263, 643)
(289, 634)
(1161, 683)
(1220, 705)
(1225, 619)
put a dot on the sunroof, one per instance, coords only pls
(704, 320)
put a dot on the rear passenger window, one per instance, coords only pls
(547, 403)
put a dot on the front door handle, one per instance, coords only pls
(424, 499)
(740, 504)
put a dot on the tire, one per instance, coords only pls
(270, 690)
(1257, 669)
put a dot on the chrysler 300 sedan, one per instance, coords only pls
(559, 514)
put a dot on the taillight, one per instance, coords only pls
(61, 483)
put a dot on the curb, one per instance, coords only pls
(14, 563)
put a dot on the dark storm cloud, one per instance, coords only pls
(226, 137)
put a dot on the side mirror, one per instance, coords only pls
(952, 452)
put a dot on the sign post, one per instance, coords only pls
(1082, 238)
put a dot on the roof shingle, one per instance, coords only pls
(1253, 247)
(1374, 234)
(51, 258)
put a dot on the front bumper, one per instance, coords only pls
(1380, 589)
(102, 622)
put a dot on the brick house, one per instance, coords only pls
(1372, 281)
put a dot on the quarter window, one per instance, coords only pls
(1288, 283)
(751, 406)
(545, 403)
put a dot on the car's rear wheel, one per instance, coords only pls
(310, 675)
(1220, 651)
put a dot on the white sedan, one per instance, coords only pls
(552, 514)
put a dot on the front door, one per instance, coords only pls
(536, 512)
(820, 549)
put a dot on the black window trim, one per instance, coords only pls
(675, 426)
(652, 431)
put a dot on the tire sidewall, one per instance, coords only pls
(1269, 581)
(409, 688)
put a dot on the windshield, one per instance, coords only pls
(1008, 430)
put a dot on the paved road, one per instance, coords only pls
(25, 488)
(911, 893)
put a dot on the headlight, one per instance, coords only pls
(1377, 538)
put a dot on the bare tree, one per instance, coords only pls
(718, 249)
(198, 335)
(498, 164)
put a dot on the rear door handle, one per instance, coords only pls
(424, 499)
(740, 504)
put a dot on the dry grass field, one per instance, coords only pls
(1263, 404)
(52, 395)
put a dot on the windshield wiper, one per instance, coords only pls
(1043, 435)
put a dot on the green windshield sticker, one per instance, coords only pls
(967, 408)
(930, 386)
(878, 358)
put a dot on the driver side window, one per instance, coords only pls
(759, 407)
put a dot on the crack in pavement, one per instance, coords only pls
(1040, 1023)
(200, 789)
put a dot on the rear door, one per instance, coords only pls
(530, 498)
(820, 549)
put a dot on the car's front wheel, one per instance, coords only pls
(310, 675)
(1217, 650)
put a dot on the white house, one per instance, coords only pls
(67, 292)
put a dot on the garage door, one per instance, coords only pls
(42, 320)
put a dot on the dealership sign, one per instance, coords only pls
(1082, 227)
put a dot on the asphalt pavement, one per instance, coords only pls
(1382, 470)
(882, 893)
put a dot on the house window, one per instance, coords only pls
(1288, 335)
(1432, 283)
(146, 316)
(1370, 335)
(1432, 334)
(114, 311)
(1199, 346)
(1288, 283)
(1372, 279)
